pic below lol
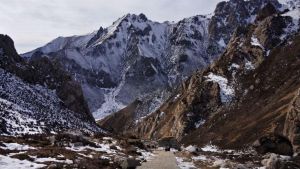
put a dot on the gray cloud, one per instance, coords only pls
(32, 23)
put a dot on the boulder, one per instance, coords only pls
(274, 161)
(136, 142)
(130, 163)
(274, 144)
(2, 145)
(131, 150)
(192, 149)
(168, 142)
(167, 149)
(113, 147)
(53, 166)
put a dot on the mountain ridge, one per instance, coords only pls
(124, 62)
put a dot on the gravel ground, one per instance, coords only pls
(162, 160)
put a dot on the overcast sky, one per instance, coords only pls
(33, 23)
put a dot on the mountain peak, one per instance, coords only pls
(132, 18)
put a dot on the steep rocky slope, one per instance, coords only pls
(137, 58)
(38, 97)
(249, 94)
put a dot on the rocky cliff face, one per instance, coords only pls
(39, 96)
(291, 126)
(248, 93)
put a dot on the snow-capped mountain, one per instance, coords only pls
(131, 59)
(136, 58)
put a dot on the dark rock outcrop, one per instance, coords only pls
(274, 144)
(168, 142)
(121, 121)
(266, 11)
(130, 164)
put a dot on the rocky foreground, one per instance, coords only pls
(71, 150)
(74, 150)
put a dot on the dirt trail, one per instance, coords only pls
(161, 160)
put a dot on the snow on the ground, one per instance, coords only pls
(234, 66)
(210, 148)
(199, 123)
(145, 155)
(20, 123)
(30, 109)
(200, 157)
(12, 163)
(16, 146)
(103, 148)
(213, 157)
(249, 65)
(222, 43)
(269, 160)
(220, 163)
(255, 42)
(294, 13)
(226, 91)
(183, 164)
(50, 159)
(191, 148)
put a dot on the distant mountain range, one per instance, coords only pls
(139, 59)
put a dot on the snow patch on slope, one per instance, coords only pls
(255, 42)
(183, 164)
(18, 123)
(294, 13)
(16, 146)
(12, 163)
(226, 91)
(249, 65)
(222, 43)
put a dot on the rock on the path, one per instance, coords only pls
(168, 142)
(130, 164)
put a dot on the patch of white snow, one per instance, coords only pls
(226, 91)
